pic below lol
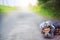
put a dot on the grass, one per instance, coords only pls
(46, 12)
(6, 9)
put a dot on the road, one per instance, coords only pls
(22, 26)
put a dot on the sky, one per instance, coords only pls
(18, 2)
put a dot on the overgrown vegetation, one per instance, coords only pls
(48, 8)
(6, 9)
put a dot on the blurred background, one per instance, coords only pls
(47, 8)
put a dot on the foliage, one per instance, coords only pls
(6, 9)
(49, 8)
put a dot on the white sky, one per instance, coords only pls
(18, 2)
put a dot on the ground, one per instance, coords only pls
(22, 26)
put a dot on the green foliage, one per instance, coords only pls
(51, 4)
(6, 9)
(42, 1)
(49, 8)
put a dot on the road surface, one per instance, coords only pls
(21, 26)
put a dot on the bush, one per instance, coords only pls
(49, 8)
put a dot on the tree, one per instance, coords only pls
(49, 7)
(52, 4)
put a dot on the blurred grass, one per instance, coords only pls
(53, 14)
(6, 9)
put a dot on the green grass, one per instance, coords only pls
(46, 12)
(6, 9)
